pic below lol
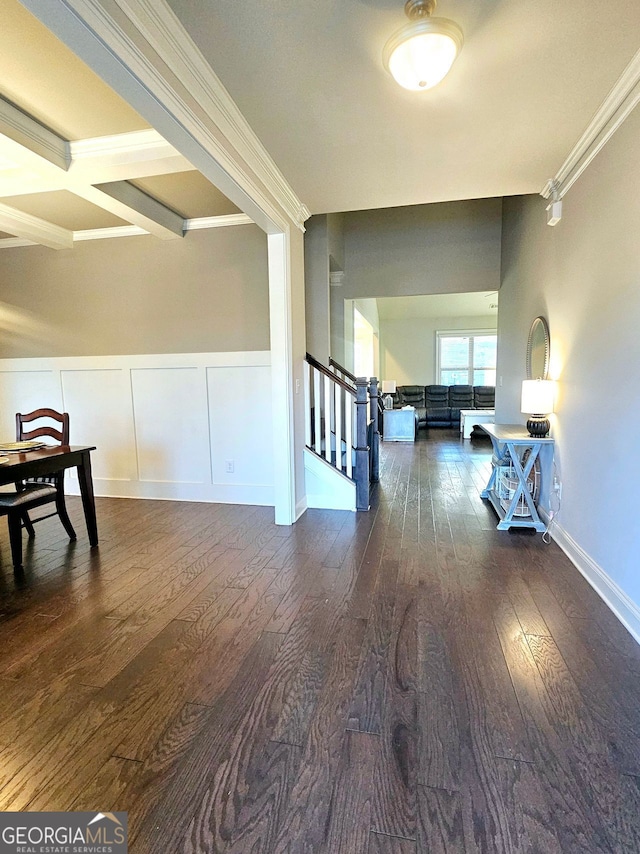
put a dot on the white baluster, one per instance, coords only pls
(307, 404)
(317, 405)
(338, 419)
(327, 418)
(348, 431)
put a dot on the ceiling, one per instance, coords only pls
(312, 86)
(113, 145)
(479, 304)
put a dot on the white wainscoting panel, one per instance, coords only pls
(163, 425)
(239, 404)
(170, 412)
(106, 423)
(24, 391)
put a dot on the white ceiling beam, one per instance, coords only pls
(132, 204)
(28, 132)
(28, 227)
(98, 160)
(38, 150)
(22, 182)
(125, 156)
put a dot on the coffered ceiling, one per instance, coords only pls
(76, 161)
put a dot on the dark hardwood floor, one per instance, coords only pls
(404, 681)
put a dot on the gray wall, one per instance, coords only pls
(584, 276)
(316, 284)
(207, 292)
(453, 247)
(323, 255)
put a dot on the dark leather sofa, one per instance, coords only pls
(440, 405)
(412, 395)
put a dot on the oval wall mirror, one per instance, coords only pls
(538, 347)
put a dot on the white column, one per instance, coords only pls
(282, 377)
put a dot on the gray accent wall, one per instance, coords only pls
(316, 283)
(452, 247)
(206, 292)
(583, 275)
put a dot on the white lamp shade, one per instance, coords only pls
(537, 397)
(420, 54)
(388, 386)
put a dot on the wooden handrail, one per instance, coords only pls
(320, 367)
(334, 364)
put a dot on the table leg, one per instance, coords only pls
(88, 502)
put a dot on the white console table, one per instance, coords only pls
(470, 417)
(399, 425)
(515, 453)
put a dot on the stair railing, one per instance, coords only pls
(342, 372)
(338, 426)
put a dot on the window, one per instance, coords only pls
(467, 358)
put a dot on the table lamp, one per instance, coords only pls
(388, 390)
(537, 403)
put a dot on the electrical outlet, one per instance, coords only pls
(229, 466)
(557, 486)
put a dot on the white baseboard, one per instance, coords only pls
(208, 493)
(622, 606)
(301, 507)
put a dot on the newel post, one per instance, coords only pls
(375, 430)
(362, 448)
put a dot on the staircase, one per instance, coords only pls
(341, 436)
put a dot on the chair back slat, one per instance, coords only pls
(25, 435)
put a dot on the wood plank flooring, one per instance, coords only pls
(404, 681)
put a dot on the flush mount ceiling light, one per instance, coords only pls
(420, 54)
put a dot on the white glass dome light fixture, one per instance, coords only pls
(420, 54)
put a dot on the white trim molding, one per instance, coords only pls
(616, 107)
(217, 221)
(133, 407)
(226, 221)
(106, 233)
(164, 31)
(189, 102)
(617, 600)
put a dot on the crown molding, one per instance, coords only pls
(164, 31)
(616, 107)
(217, 221)
(122, 144)
(195, 224)
(149, 58)
(107, 233)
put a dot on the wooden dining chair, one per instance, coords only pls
(36, 492)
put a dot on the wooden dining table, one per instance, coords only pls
(51, 460)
